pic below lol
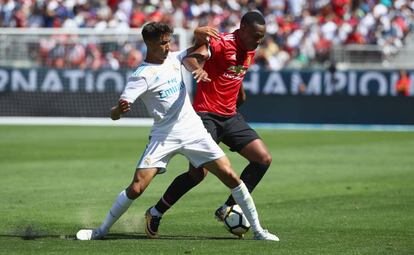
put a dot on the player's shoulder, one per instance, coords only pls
(143, 70)
(223, 38)
(225, 42)
(228, 37)
(177, 56)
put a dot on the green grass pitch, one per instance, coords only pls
(326, 193)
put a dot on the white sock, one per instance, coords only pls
(155, 212)
(120, 205)
(242, 196)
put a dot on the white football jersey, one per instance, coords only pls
(161, 88)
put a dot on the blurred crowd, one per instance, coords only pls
(299, 33)
(74, 51)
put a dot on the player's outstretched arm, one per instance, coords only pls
(193, 62)
(123, 106)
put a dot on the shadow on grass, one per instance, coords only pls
(36, 236)
(114, 236)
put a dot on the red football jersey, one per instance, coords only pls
(226, 68)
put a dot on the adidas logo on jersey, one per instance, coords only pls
(229, 37)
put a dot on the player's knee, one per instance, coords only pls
(265, 159)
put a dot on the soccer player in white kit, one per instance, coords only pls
(177, 129)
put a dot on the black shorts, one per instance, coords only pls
(233, 131)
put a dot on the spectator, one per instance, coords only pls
(303, 31)
(403, 84)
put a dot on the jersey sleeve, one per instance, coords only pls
(135, 87)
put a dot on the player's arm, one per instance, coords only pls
(134, 88)
(194, 60)
(241, 97)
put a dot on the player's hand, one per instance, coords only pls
(124, 105)
(202, 34)
(201, 75)
(115, 113)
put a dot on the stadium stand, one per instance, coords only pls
(300, 33)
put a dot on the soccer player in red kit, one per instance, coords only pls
(226, 58)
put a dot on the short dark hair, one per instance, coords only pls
(253, 17)
(154, 31)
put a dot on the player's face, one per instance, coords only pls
(252, 35)
(159, 49)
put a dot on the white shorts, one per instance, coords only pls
(198, 151)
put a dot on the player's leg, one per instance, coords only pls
(206, 153)
(178, 188)
(153, 161)
(259, 159)
(141, 180)
(188, 180)
(240, 137)
(222, 169)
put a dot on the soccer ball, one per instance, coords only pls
(235, 222)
